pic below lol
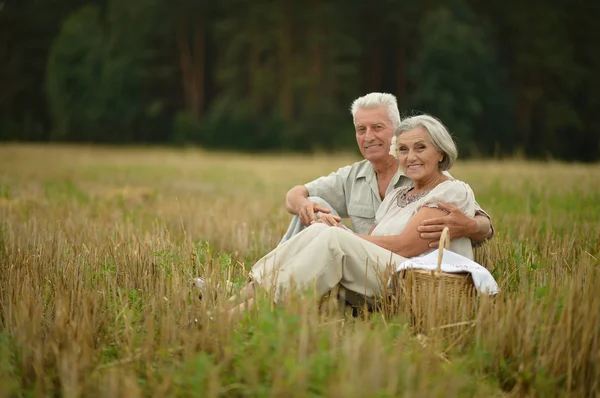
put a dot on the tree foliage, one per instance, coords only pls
(460, 81)
(268, 75)
(96, 72)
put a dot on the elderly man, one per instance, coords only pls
(356, 191)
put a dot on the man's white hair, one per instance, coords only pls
(375, 100)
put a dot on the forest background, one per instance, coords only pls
(508, 77)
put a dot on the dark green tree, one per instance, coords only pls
(457, 78)
(96, 73)
(27, 28)
(548, 49)
(75, 68)
(286, 73)
(505, 76)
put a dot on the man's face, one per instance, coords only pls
(374, 132)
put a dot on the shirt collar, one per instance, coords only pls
(366, 170)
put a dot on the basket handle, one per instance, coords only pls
(444, 244)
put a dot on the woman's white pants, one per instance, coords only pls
(319, 258)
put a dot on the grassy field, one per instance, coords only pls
(98, 247)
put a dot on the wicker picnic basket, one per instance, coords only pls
(435, 299)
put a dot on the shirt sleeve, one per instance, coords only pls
(460, 195)
(478, 209)
(454, 192)
(332, 189)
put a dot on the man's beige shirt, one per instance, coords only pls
(353, 192)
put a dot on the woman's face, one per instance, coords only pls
(418, 156)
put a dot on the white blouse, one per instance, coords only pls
(394, 214)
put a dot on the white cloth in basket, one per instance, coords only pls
(451, 262)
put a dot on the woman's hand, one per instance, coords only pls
(328, 219)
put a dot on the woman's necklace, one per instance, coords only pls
(404, 199)
(407, 196)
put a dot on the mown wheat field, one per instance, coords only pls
(98, 247)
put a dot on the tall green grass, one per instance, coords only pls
(98, 247)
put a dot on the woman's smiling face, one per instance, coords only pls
(417, 155)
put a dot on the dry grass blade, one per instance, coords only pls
(98, 247)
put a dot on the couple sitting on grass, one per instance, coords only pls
(398, 199)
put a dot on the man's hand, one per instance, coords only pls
(459, 224)
(307, 212)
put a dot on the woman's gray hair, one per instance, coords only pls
(440, 137)
(375, 100)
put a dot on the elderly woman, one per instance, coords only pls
(321, 256)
